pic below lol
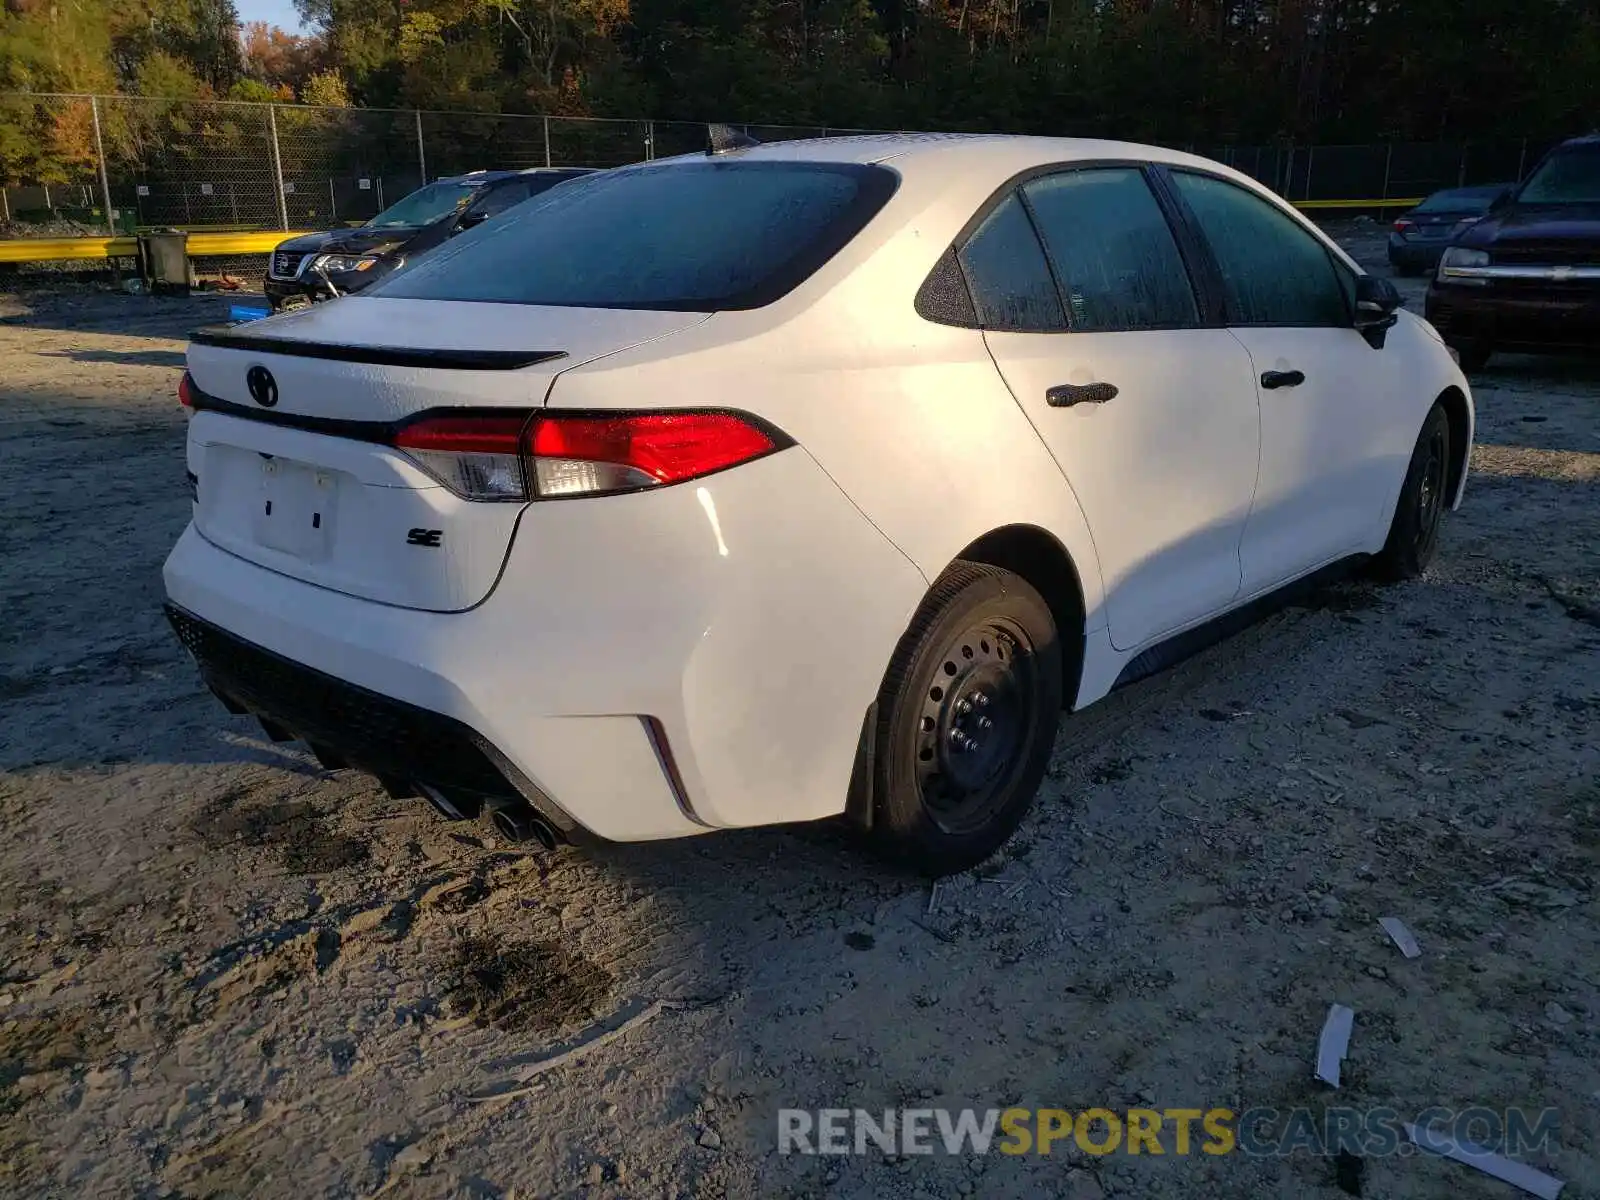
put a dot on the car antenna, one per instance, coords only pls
(724, 139)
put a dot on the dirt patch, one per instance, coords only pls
(297, 830)
(514, 986)
(34, 1045)
(319, 852)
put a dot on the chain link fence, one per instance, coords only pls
(1382, 172)
(218, 164)
(88, 164)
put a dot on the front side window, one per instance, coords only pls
(1273, 271)
(1007, 274)
(693, 237)
(497, 199)
(500, 197)
(1113, 251)
(1566, 177)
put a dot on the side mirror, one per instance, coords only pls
(469, 219)
(1377, 302)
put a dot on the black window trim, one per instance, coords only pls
(1204, 281)
(877, 184)
(1050, 264)
(1165, 172)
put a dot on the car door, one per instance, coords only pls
(1327, 401)
(1092, 317)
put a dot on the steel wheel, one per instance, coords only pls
(1430, 490)
(1414, 530)
(965, 720)
(975, 721)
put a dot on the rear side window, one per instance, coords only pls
(696, 237)
(1113, 251)
(1273, 271)
(1007, 274)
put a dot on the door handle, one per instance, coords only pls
(1279, 379)
(1065, 395)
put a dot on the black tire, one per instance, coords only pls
(1414, 529)
(1407, 270)
(966, 719)
(1473, 356)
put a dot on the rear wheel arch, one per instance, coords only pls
(1454, 403)
(1041, 559)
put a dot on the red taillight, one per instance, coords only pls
(186, 391)
(485, 457)
(1402, 225)
(654, 448)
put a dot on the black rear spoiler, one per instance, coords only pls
(379, 356)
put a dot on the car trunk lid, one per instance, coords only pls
(294, 416)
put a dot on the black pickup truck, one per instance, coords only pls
(319, 266)
(1526, 277)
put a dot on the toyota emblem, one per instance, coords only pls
(263, 387)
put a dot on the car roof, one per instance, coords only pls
(1588, 139)
(955, 152)
(1471, 189)
(486, 177)
(958, 170)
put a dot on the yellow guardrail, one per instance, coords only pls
(208, 243)
(1408, 202)
(202, 244)
(48, 249)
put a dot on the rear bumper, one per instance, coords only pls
(1518, 315)
(405, 746)
(649, 666)
(412, 698)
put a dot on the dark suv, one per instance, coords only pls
(318, 266)
(1527, 276)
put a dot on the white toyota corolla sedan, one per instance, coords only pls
(795, 480)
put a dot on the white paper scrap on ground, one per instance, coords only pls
(1334, 1043)
(1401, 936)
(1521, 1175)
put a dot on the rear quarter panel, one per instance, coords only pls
(917, 452)
(913, 425)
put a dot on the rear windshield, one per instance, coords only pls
(689, 236)
(1469, 200)
(1566, 177)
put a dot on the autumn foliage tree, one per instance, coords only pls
(1176, 71)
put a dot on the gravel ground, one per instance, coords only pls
(224, 972)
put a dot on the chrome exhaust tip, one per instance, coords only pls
(517, 822)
